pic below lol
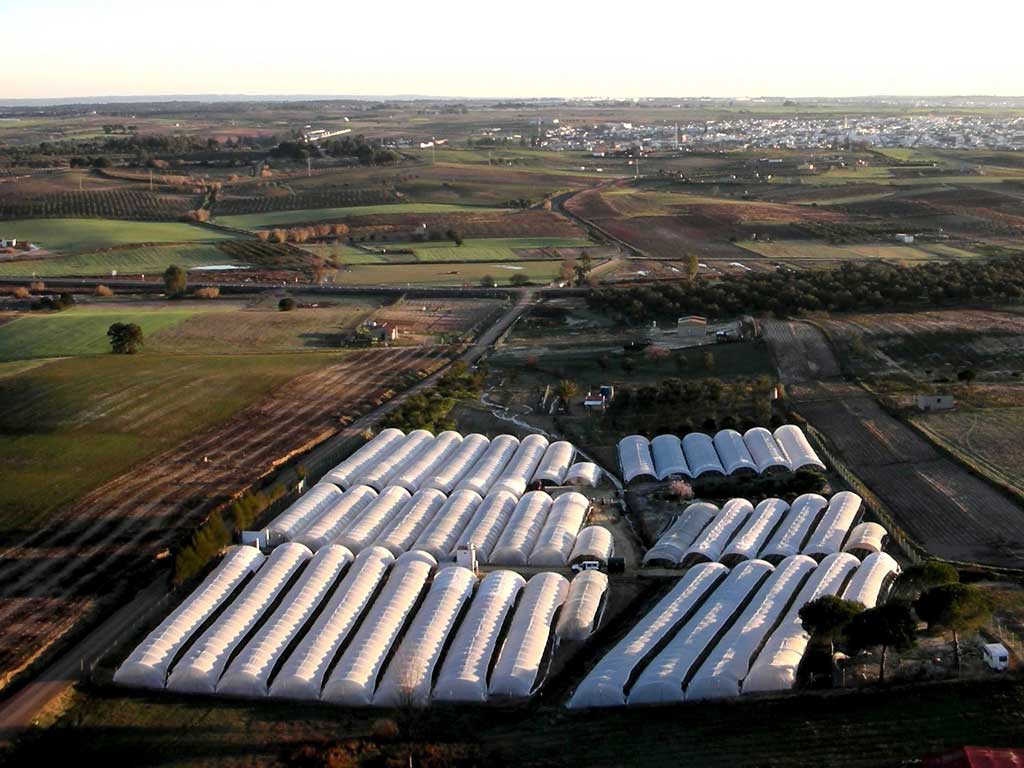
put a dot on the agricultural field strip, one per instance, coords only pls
(277, 218)
(76, 235)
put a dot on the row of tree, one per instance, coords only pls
(432, 409)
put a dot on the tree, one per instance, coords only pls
(568, 269)
(175, 280)
(827, 618)
(692, 266)
(567, 390)
(520, 280)
(583, 267)
(488, 281)
(125, 338)
(709, 361)
(931, 573)
(286, 304)
(957, 607)
(967, 376)
(888, 626)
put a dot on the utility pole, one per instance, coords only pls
(433, 150)
(150, 179)
(309, 166)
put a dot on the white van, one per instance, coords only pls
(995, 655)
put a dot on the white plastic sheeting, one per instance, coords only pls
(488, 522)
(337, 517)
(457, 464)
(374, 519)
(517, 669)
(403, 530)
(594, 542)
(556, 538)
(202, 665)
(755, 533)
(733, 452)
(872, 579)
(409, 676)
(463, 675)
(578, 617)
(554, 464)
(711, 542)
(148, 663)
(701, 456)
(249, 673)
(669, 461)
(765, 452)
(485, 471)
(866, 537)
(584, 473)
(439, 538)
(673, 543)
(378, 474)
(635, 458)
(354, 679)
(302, 675)
(776, 664)
(794, 528)
(605, 685)
(427, 462)
(524, 463)
(520, 535)
(662, 681)
(304, 511)
(798, 450)
(344, 474)
(724, 670)
(830, 533)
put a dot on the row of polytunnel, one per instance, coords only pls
(772, 531)
(364, 629)
(757, 451)
(722, 632)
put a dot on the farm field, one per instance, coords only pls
(822, 253)
(76, 235)
(102, 204)
(144, 260)
(446, 274)
(277, 218)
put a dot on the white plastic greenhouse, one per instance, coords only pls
(304, 511)
(733, 452)
(427, 462)
(524, 526)
(635, 459)
(488, 467)
(403, 530)
(795, 527)
(336, 518)
(830, 533)
(148, 664)
(390, 463)
(579, 616)
(866, 538)
(594, 542)
(583, 473)
(669, 461)
(798, 450)
(556, 538)
(765, 452)
(714, 539)
(752, 536)
(554, 464)
(439, 538)
(673, 543)
(488, 522)
(457, 464)
(344, 474)
(701, 456)
(524, 463)
(374, 519)
(872, 581)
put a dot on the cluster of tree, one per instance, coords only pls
(575, 271)
(55, 303)
(125, 338)
(849, 287)
(432, 409)
(196, 216)
(368, 153)
(302, 234)
(175, 280)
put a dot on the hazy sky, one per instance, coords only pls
(459, 48)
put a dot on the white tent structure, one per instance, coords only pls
(829, 535)
(753, 535)
(776, 664)
(354, 679)
(463, 675)
(664, 678)
(674, 542)
(428, 462)
(458, 463)
(583, 473)
(701, 456)
(595, 542)
(202, 665)
(578, 617)
(344, 474)
(517, 669)
(148, 664)
(734, 453)
(439, 538)
(337, 517)
(723, 671)
(483, 474)
(378, 474)
(765, 452)
(302, 675)
(488, 522)
(789, 537)
(249, 672)
(798, 450)
(410, 674)
(865, 539)
(409, 523)
(712, 541)
(304, 511)
(524, 526)
(374, 519)
(669, 461)
(524, 463)
(557, 537)
(554, 464)
(872, 581)
(605, 685)
(635, 459)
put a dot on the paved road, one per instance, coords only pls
(22, 709)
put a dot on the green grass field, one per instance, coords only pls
(278, 218)
(497, 249)
(144, 260)
(77, 235)
(445, 274)
(799, 250)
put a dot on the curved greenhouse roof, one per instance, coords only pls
(583, 473)
(554, 464)
(733, 452)
(304, 511)
(829, 535)
(798, 450)
(488, 467)
(405, 527)
(556, 538)
(578, 617)
(866, 537)
(427, 462)
(710, 543)
(594, 542)
(344, 474)
(520, 469)
(753, 535)
(765, 452)
(457, 464)
(439, 538)
(489, 520)
(635, 459)
(795, 527)
(379, 473)
(871, 582)
(377, 515)
(520, 535)
(673, 543)
(701, 456)
(669, 462)
(337, 517)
